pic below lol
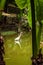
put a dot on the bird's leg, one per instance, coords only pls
(19, 45)
(18, 42)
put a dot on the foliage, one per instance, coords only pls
(29, 17)
(21, 3)
(39, 9)
(39, 18)
(2, 3)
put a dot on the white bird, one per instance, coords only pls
(17, 40)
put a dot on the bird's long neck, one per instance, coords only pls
(20, 35)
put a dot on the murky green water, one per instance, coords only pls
(14, 55)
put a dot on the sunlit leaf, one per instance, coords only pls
(21, 3)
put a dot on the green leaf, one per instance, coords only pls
(29, 18)
(21, 3)
(2, 4)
